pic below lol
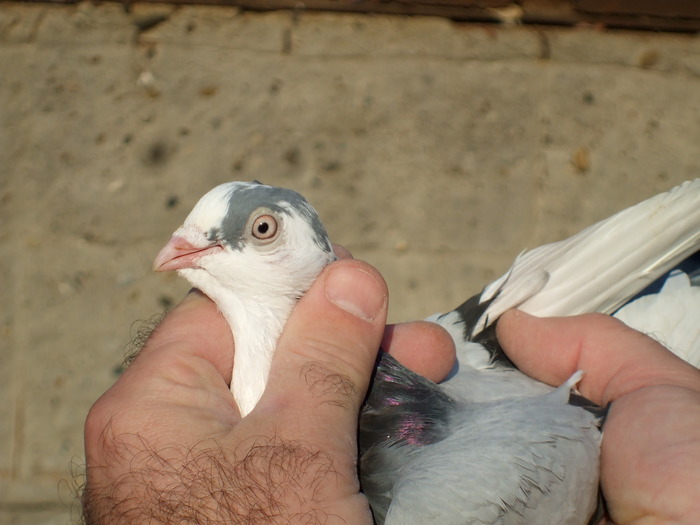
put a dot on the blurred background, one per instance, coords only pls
(437, 140)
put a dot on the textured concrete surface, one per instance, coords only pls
(434, 150)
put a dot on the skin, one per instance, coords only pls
(166, 442)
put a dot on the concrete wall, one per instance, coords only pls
(434, 150)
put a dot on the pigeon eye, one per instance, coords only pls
(264, 227)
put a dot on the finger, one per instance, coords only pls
(426, 348)
(197, 328)
(615, 358)
(342, 252)
(324, 358)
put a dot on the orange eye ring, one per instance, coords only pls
(264, 227)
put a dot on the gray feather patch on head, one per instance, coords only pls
(245, 198)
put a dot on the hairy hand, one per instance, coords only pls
(166, 443)
(650, 457)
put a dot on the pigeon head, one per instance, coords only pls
(249, 238)
(254, 250)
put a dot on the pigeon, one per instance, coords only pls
(254, 250)
(489, 445)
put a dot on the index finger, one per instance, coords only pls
(196, 327)
(615, 358)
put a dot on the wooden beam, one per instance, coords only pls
(669, 15)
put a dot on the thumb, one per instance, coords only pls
(325, 356)
(616, 358)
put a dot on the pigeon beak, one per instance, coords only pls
(180, 253)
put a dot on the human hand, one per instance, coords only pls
(650, 456)
(166, 443)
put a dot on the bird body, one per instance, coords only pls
(490, 445)
(509, 460)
